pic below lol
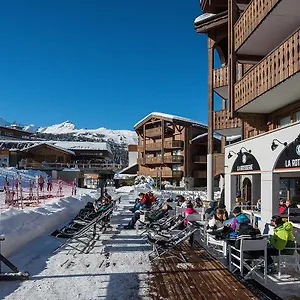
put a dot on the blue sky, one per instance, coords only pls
(101, 63)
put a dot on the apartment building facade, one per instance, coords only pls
(258, 45)
(174, 149)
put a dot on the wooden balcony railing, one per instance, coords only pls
(222, 120)
(173, 145)
(153, 132)
(221, 74)
(173, 159)
(219, 162)
(159, 160)
(200, 174)
(252, 16)
(275, 68)
(156, 132)
(220, 77)
(165, 173)
(157, 146)
(200, 159)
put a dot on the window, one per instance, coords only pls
(285, 121)
(297, 116)
(176, 152)
(176, 167)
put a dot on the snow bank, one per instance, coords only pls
(22, 226)
(125, 189)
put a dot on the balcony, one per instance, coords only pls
(177, 159)
(153, 132)
(173, 145)
(264, 24)
(156, 132)
(173, 159)
(200, 159)
(274, 82)
(219, 163)
(200, 174)
(220, 83)
(226, 126)
(157, 146)
(165, 173)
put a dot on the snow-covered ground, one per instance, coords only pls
(116, 268)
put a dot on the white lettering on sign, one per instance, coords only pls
(245, 168)
(292, 163)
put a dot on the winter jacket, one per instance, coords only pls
(240, 219)
(186, 212)
(212, 207)
(146, 201)
(283, 237)
(281, 209)
(136, 207)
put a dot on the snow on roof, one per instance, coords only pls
(126, 169)
(51, 145)
(202, 136)
(172, 117)
(233, 138)
(82, 145)
(203, 17)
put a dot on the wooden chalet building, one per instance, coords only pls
(258, 45)
(14, 132)
(174, 149)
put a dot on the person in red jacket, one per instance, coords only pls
(188, 211)
(151, 197)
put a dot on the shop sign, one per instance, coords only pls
(289, 157)
(245, 162)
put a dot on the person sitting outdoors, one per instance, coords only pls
(212, 207)
(146, 200)
(282, 206)
(151, 197)
(239, 218)
(288, 204)
(281, 239)
(153, 216)
(188, 211)
(198, 203)
(218, 218)
(179, 199)
(136, 206)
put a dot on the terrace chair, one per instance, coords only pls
(292, 259)
(251, 255)
(166, 245)
(84, 239)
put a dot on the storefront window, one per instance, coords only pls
(290, 189)
(297, 116)
(285, 121)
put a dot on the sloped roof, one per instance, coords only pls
(203, 136)
(50, 145)
(170, 117)
(81, 145)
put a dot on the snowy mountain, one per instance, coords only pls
(68, 130)
(101, 134)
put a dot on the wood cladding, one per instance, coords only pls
(222, 120)
(275, 68)
(250, 19)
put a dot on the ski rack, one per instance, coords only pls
(85, 239)
(16, 274)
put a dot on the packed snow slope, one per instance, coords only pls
(116, 268)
